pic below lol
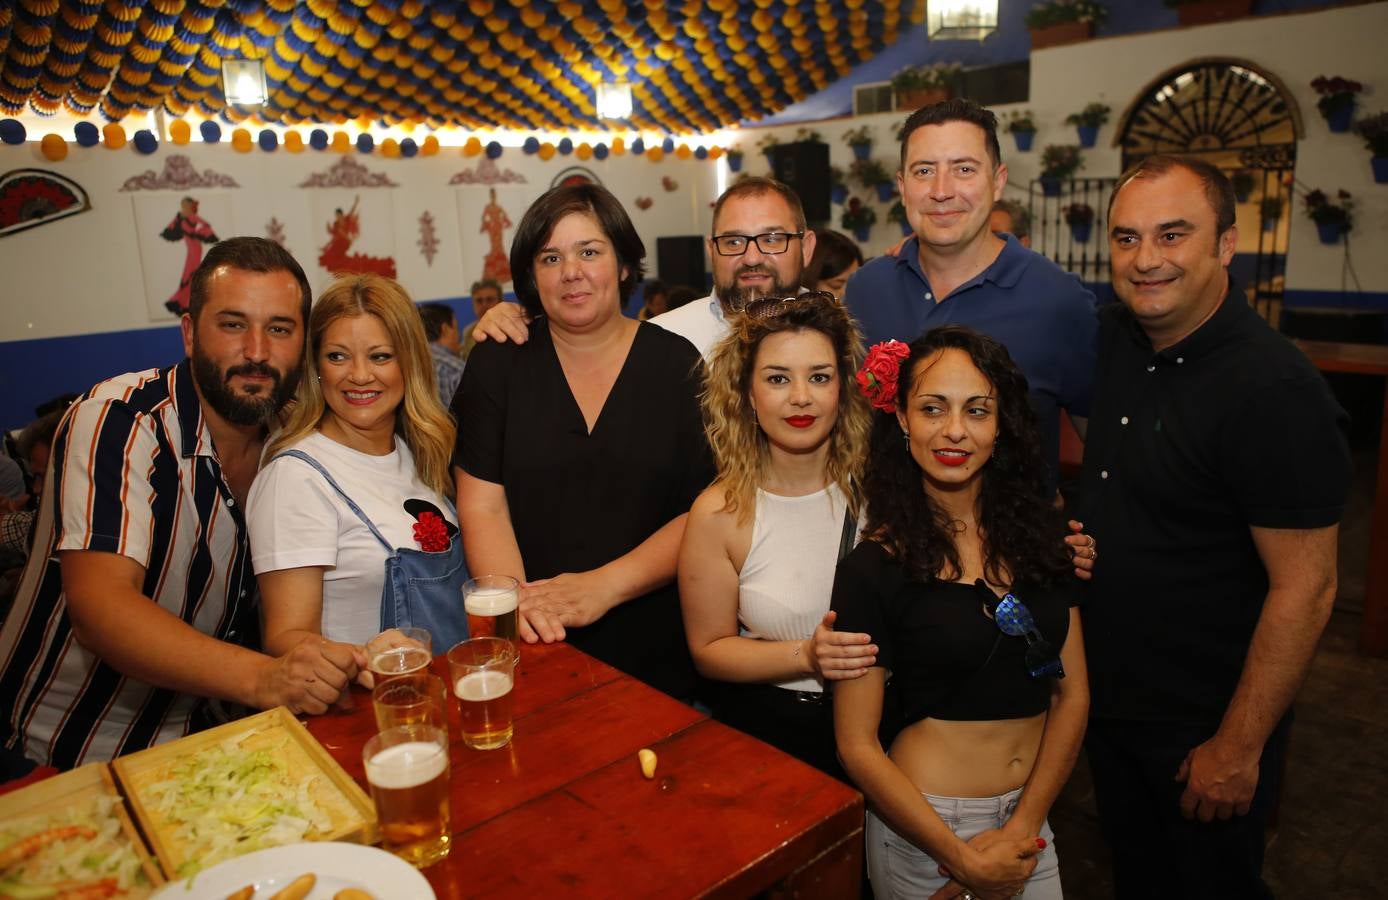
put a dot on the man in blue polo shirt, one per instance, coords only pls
(956, 271)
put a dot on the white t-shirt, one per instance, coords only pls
(296, 519)
(701, 322)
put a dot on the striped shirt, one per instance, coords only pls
(133, 472)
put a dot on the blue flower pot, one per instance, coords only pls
(885, 191)
(1080, 232)
(1050, 187)
(1341, 119)
(906, 229)
(838, 195)
(734, 163)
(1024, 140)
(1380, 166)
(862, 234)
(1269, 225)
(1242, 196)
(1088, 134)
(861, 151)
(1329, 232)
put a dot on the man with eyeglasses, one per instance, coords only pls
(955, 270)
(759, 246)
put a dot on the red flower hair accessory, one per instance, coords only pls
(877, 379)
(431, 531)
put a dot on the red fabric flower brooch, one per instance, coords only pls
(877, 379)
(431, 531)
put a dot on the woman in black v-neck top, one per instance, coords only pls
(580, 452)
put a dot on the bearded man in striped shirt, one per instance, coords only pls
(139, 599)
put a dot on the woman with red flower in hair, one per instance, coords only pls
(352, 526)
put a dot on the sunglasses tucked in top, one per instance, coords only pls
(1015, 620)
(771, 243)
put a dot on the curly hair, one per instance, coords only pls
(1022, 532)
(421, 420)
(739, 445)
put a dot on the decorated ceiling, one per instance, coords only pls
(694, 66)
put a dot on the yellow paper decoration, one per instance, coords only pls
(429, 147)
(180, 132)
(619, 146)
(472, 147)
(293, 142)
(584, 151)
(390, 148)
(113, 135)
(546, 151)
(683, 151)
(341, 142)
(54, 147)
(655, 154)
(241, 140)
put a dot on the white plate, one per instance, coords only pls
(337, 866)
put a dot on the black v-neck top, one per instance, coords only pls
(579, 500)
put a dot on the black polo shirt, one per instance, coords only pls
(1187, 448)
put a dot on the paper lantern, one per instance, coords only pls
(113, 135)
(180, 132)
(54, 148)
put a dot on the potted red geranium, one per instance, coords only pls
(1333, 219)
(1337, 100)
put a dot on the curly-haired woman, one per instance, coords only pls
(789, 434)
(964, 582)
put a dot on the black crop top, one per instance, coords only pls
(946, 657)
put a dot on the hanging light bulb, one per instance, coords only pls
(962, 20)
(614, 99)
(243, 82)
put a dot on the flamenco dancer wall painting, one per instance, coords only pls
(343, 227)
(487, 228)
(194, 231)
(172, 248)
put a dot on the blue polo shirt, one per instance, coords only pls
(1041, 313)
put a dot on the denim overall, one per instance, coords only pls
(421, 589)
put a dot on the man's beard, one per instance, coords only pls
(736, 298)
(238, 408)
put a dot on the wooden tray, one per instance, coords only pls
(81, 785)
(352, 812)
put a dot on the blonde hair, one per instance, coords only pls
(739, 445)
(421, 420)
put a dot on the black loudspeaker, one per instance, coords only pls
(680, 260)
(805, 167)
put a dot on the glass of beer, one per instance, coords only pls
(393, 656)
(483, 671)
(415, 699)
(407, 768)
(491, 602)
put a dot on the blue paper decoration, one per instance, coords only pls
(638, 146)
(701, 152)
(408, 148)
(493, 150)
(12, 131)
(601, 151)
(318, 139)
(86, 134)
(668, 145)
(531, 146)
(566, 146)
(211, 131)
(145, 141)
(366, 143)
(268, 140)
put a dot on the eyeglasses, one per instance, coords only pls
(771, 243)
(771, 307)
(1014, 620)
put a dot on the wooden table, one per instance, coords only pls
(564, 810)
(1367, 359)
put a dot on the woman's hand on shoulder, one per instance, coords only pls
(503, 322)
(840, 655)
(1084, 550)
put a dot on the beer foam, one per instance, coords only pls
(491, 601)
(485, 685)
(407, 765)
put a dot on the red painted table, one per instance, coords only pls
(1367, 359)
(564, 810)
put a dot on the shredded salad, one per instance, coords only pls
(228, 800)
(81, 848)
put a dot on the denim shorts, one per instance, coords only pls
(900, 869)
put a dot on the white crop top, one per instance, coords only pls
(788, 576)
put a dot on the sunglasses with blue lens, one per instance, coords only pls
(1014, 619)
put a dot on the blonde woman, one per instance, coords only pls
(352, 527)
(789, 435)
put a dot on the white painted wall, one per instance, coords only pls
(1296, 47)
(83, 275)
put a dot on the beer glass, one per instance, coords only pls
(483, 672)
(407, 768)
(491, 602)
(402, 657)
(415, 699)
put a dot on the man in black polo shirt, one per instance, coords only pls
(1215, 473)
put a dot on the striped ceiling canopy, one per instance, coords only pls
(694, 66)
